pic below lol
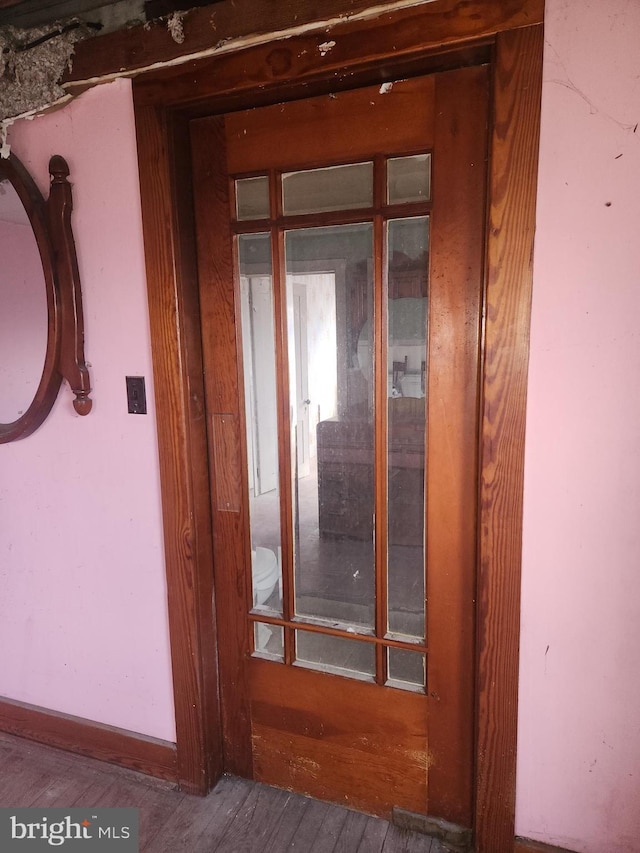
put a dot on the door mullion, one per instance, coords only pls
(380, 432)
(284, 421)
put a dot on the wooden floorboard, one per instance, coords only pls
(238, 816)
(293, 814)
(404, 841)
(199, 825)
(373, 837)
(311, 827)
(329, 832)
(352, 832)
(256, 820)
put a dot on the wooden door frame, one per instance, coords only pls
(420, 39)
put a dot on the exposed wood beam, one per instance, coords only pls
(228, 26)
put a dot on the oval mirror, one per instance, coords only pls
(40, 305)
(24, 319)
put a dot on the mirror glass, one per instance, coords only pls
(24, 314)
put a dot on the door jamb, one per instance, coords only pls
(175, 331)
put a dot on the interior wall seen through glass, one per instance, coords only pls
(260, 391)
(408, 252)
(329, 298)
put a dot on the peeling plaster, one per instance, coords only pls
(325, 47)
(32, 63)
(174, 25)
(5, 148)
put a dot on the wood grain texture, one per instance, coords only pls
(381, 296)
(227, 440)
(71, 362)
(361, 49)
(224, 79)
(228, 24)
(198, 474)
(455, 296)
(380, 119)
(339, 739)
(284, 442)
(174, 319)
(95, 740)
(514, 155)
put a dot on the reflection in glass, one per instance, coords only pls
(329, 309)
(335, 654)
(406, 666)
(24, 311)
(407, 357)
(335, 188)
(258, 354)
(409, 178)
(268, 641)
(252, 198)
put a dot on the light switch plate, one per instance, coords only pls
(136, 395)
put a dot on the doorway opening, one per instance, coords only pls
(350, 375)
(166, 101)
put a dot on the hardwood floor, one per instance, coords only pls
(238, 816)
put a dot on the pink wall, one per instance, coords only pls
(83, 622)
(579, 744)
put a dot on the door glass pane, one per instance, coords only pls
(409, 178)
(406, 667)
(334, 188)
(268, 641)
(407, 356)
(259, 363)
(335, 654)
(252, 198)
(329, 299)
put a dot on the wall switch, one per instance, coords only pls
(136, 395)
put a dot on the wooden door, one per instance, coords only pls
(345, 599)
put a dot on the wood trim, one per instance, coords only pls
(455, 305)
(513, 181)
(182, 433)
(526, 845)
(218, 311)
(230, 26)
(224, 78)
(182, 445)
(377, 734)
(94, 740)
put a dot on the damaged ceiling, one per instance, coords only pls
(37, 39)
(103, 15)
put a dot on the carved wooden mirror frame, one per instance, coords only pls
(64, 356)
